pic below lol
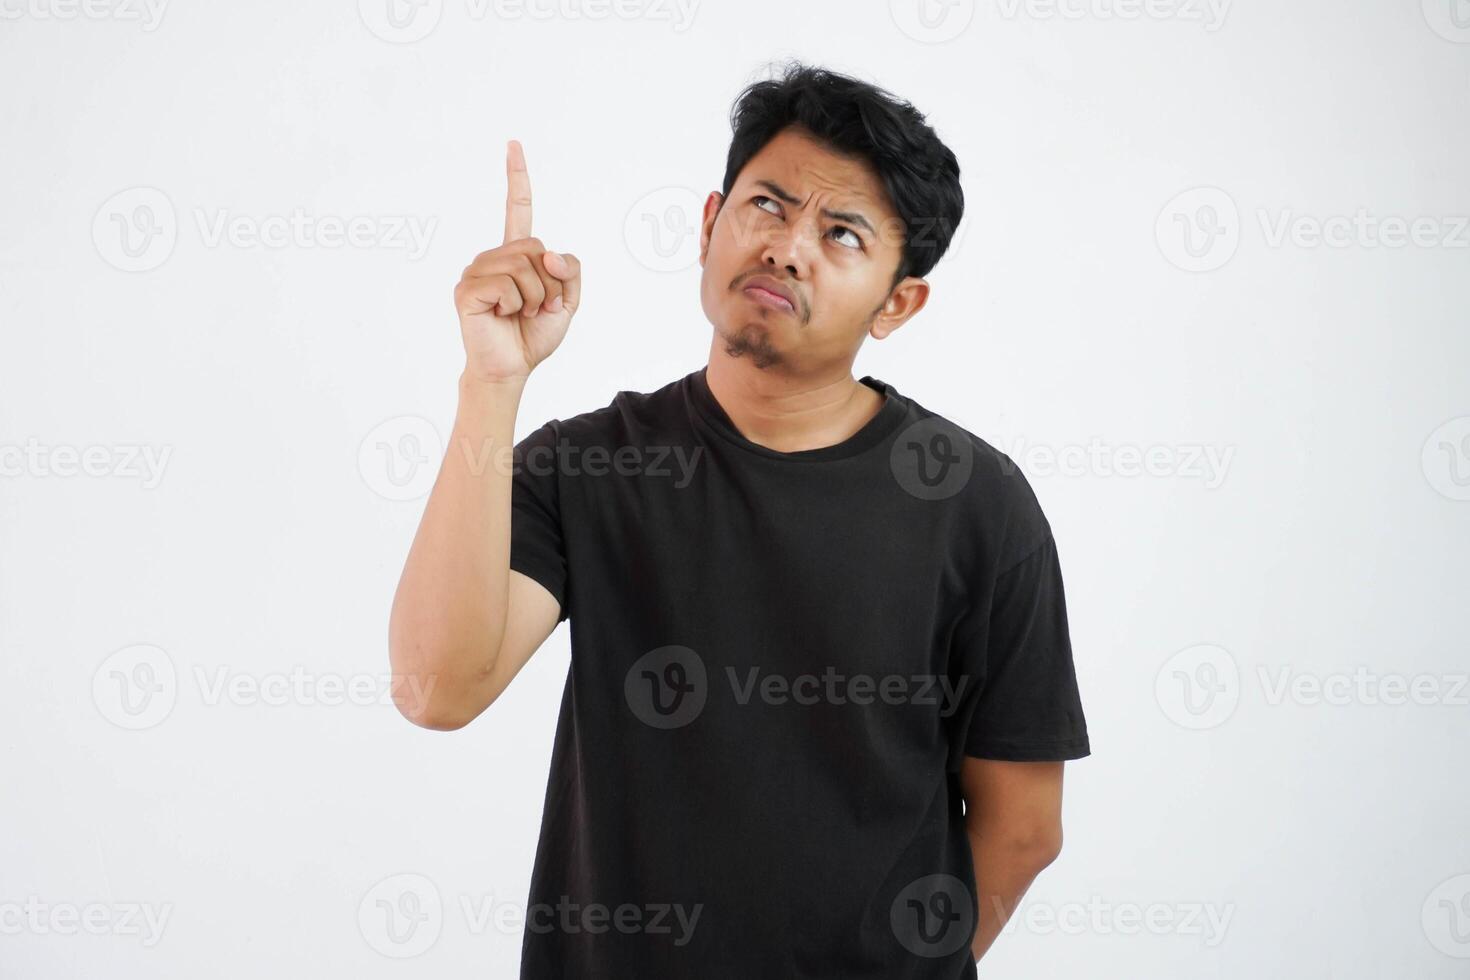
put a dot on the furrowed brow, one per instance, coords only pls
(851, 217)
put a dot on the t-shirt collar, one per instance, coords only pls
(708, 410)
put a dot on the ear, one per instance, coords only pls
(904, 300)
(712, 205)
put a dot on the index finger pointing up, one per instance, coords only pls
(517, 193)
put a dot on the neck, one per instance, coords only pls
(789, 412)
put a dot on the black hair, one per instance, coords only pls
(856, 118)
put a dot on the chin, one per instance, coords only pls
(752, 341)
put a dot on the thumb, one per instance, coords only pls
(566, 267)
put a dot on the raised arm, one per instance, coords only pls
(462, 623)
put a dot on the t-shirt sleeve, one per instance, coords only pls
(1028, 708)
(537, 542)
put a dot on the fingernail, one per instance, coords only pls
(554, 306)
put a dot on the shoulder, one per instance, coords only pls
(993, 494)
(629, 418)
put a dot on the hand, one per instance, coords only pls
(516, 301)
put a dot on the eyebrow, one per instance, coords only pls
(851, 217)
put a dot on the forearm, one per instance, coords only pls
(449, 610)
(1004, 869)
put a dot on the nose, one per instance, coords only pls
(787, 248)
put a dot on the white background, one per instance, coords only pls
(277, 386)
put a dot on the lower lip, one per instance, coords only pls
(768, 298)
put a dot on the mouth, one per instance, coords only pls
(771, 294)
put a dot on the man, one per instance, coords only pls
(821, 686)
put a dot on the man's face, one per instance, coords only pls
(817, 226)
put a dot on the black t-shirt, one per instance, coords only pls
(778, 663)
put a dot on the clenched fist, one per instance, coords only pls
(516, 301)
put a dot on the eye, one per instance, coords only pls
(857, 240)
